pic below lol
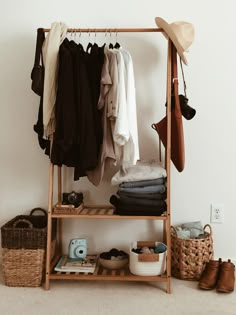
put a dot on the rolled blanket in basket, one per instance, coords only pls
(190, 230)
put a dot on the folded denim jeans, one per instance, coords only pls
(140, 201)
(151, 196)
(144, 212)
(144, 190)
(143, 183)
(122, 208)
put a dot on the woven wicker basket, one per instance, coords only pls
(189, 256)
(26, 231)
(23, 267)
(24, 241)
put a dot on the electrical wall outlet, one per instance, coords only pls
(217, 213)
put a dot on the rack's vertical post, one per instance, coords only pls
(59, 195)
(168, 158)
(49, 226)
(59, 188)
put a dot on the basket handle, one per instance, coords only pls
(30, 225)
(38, 209)
(208, 225)
(148, 257)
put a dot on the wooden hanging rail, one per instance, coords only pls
(111, 30)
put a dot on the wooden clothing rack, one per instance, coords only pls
(105, 212)
(111, 30)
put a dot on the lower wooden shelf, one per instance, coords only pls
(102, 273)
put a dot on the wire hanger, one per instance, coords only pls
(95, 40)
(117, 45)
(90, 45)
(110, 45)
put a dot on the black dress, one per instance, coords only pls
(78, 133)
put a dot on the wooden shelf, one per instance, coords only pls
(101, 273)
(101, 212)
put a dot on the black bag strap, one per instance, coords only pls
(187, 111)
(39, 45)
(175, 81)
(184, 82)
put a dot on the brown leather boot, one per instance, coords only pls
(226, 277)
(209, 276)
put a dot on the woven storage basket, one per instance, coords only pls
(23, 267)
(24, 241)
(26, 231)
(189, 256)
(147, 264)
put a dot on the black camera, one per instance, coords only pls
(72, 198)
(187, 111)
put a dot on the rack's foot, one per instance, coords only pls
(168, 285)
(46, 286)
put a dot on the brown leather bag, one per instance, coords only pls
(177, 133)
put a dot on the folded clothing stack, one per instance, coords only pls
(145, 197)
(142, 189)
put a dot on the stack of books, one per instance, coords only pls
(87, 265)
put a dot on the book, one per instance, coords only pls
(66, 264)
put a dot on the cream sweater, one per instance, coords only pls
(50, 58)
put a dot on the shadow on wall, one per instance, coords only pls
(22, 175)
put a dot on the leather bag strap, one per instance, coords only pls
(184, 82)
(175, 81)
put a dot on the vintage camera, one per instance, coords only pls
(187, 111)
(78, 248)
(72, 198)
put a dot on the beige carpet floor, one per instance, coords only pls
(115, 298)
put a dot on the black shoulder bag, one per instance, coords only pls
(37, 73)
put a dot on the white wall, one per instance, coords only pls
(210, 169)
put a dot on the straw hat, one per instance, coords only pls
(181, 34)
